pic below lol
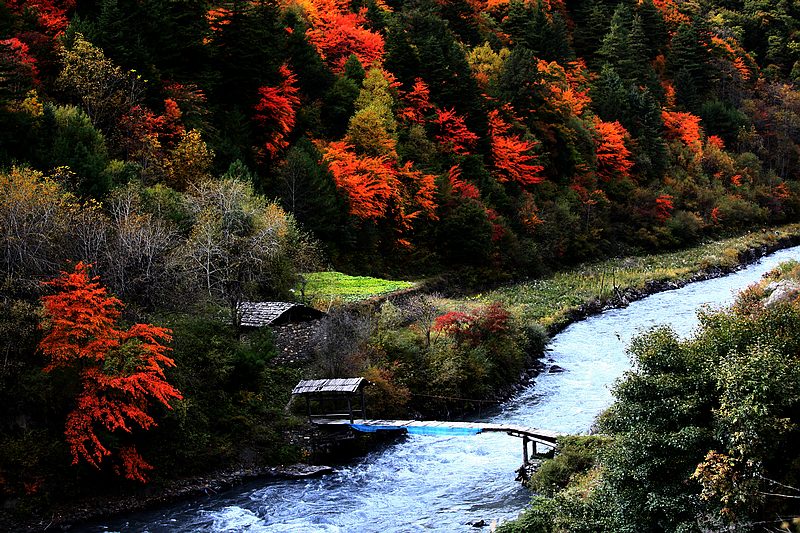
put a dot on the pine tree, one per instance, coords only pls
(688, 62)
(654, 27)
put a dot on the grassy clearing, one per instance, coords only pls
(328, 287)
(550, 300)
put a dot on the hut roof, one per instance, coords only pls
(343, 385)
(259, 314)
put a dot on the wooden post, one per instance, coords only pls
(524, 450)
(308, 406)
(363, 405)
(350, 408)
(533, 448)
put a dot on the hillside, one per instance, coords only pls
(161, 162)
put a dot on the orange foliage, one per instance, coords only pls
(276, 111)
(567, 90)
(460, 187)
(664, 207)
(218, 17)
(529, 212)
(589, 198)
(453, 132)
(121, 372)
(51, 15)
(732, 51)
(669, 8)
(685, 127)
(715, 215)
(145, 133)
(419, 103)
(781, 192)
(670, 95)
(716, 142)
(511, 154)
(369, 182)
(337, 33)
(374, 185)
(613, 157)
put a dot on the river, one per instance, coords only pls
(443, 483)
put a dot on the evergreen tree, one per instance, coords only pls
(654, 27)
(688, 62)
(616, 41)
(588, 36)
(307, 190)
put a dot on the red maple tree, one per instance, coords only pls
(419, 103)
(453, 132)
(684, 127)
(613, 157)
(375, 184)
(664, 207)
(276, 111)
(337, 33)
(121, 372)
(460, 186)
(512, 155)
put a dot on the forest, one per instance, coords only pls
(162, 162)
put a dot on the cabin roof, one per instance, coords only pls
(259, 314)
(341, 385)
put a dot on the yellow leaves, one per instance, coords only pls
(31, 105)
(190, 161)
(485, 63)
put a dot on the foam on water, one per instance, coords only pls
(442, 482)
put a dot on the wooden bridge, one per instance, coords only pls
(529, 435)
(332, 393)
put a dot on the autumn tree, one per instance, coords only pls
(276, 111)
(372, 129)
(34, 223)
(104, 90)
(121, 372)
(613, 157)
(338, 33)
(512, 155)
(237, 246)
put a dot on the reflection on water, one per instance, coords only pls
(442, 483)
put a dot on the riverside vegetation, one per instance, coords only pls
(215, 152)
(700, 435)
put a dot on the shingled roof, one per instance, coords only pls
(344, 385)
(259, 314)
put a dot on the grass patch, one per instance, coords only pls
(550, 300)
(328, 287)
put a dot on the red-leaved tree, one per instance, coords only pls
(613, 157)
(453, 132)
(276, 111)
(512, 155)
(121, 372)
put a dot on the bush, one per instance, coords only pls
(574, 455)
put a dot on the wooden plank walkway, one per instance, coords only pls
(434, 427)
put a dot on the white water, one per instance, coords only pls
(441, 483)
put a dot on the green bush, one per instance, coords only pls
(574, 455)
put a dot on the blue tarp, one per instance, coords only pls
(418, 430)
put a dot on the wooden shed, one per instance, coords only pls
(331, 395)
(260, 314)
